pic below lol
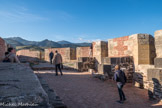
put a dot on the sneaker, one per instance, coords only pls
(56, 74)
(124, 99)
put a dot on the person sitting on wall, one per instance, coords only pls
(121, 79)
(58, 62)
(51, 54)
(10, 56)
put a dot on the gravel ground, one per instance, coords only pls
(81, 90)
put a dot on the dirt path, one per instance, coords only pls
(81, 90)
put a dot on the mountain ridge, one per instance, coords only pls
(18, 41)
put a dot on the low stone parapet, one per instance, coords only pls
(19, 86)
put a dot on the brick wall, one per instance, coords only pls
(68, 54)
(100, 50)
(2, 48)
(82, 52)
(140, 46)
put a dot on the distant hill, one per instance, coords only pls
(63, 42)
(23, 41)
(48, 43)
(18, 41)
(14, 43)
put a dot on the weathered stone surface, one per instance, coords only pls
(83, 52)
(104, 69)
(158, 43)
(26, 55)
(140, 75)
(29, 53)
(18, 84)
(106, 60)
(68, 54)
(158, 62)
(85, 63)
(2, 49)
(100, 50)
(140, 46)
(83, 59)
(155, 83)
(154, 73)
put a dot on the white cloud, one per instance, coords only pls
(19, 15)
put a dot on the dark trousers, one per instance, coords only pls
(58, 66)
(51, 60)
(121, 93)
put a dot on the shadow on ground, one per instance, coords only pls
(81, 90)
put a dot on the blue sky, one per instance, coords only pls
(78, 20)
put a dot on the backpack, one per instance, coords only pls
(6, 59)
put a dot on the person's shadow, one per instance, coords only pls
(156, 94)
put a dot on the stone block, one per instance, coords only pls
(158, 62)
(21, 85)
(2, 48)
(79, 66)
(154, 73)
(67, 54)
(106, 60)
(140, 46)
(83, 59)
(83, 52)
(100, 50)
(158, 43)
(104, 69)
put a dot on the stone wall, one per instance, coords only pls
(140, 76)
(154, 76)
(29, 53)
(68, 54)
(140, 46)
(2, 48)
(100, 50)
(82, 52)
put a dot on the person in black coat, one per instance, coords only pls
(121, 79)
(51, 54)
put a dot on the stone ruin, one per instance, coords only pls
(68, 54)
(139, 56)
(27, 55)
(2, 48)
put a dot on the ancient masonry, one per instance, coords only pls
(19, 85)
(68, 54)
(139, 46)
(82, 52)
(29, 55)
(100, 50)
(140, 57)
(154, 76)
(2, 48)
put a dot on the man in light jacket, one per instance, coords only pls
(58, 62)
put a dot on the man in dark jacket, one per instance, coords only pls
(120, 78)
(51, 56)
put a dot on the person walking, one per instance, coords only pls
(121, 79)
(51, 54)
(58, 62)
